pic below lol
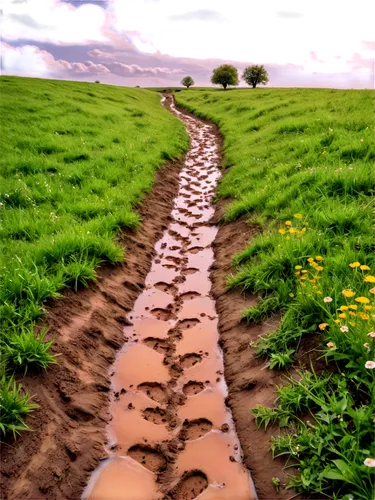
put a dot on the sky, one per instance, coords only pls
(301, 43)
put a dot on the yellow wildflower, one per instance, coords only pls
(291, 295)
(288, 237)
(288, 223)
(318, 257)
(292, 230)
(312, 281)
(369, 279)
(303, 230)
(343, 308)
(352, 313)
(362, 300)
(298, 267)
(364, 268)
(298, 273)
(352, 323)
(353, 306)
(319, 268)
(367, 308)
(372, 290)
(337, 321)
(303, 277)
(298, 216)
(323, 326)
(363, 315)
(342, 315)
(304, 271)
(319, 293)
(282, 231)
(353, 265)
(348, 293)
(310, 259)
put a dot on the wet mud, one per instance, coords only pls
(171, 434)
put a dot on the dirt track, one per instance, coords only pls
(168, 405)
(175, 389)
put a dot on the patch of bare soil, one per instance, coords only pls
(69, 428)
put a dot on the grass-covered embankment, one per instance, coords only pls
(300, 165)
(76, 160)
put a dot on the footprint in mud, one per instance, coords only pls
(187, 323)
(195, 250)
(171, 258)
(192, 388)
(155, 391)
(150, 458)
(192, 484)
(162, 314)
(195, 429)
(159, 345)
(174, 234)
(189, 270)
(165, 287)
(169, 266)
(156, 415)
(190, 359)
(189, 295)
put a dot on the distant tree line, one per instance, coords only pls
(226, 75)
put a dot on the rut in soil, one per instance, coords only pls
(171, 435)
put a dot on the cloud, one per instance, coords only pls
(98, 30)
(29, 60)
(314, 57)
(135, 70)
(199, 15)
(101, 54)
(285, 14)
(362, 62)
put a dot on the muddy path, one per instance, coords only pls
(172, 435)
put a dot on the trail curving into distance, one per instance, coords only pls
(171, 435)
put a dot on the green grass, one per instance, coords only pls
(299, 164)
(76, 161)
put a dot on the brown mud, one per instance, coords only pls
(170, 422)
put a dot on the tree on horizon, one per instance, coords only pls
(225, 75)
(187, 81)
(255, 75)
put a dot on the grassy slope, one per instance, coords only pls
(76, 160)
(301, 166)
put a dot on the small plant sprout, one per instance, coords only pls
(276, 483)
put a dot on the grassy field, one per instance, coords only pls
(76, 160)
(300, 166)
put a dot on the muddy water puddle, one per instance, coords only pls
(171, 435)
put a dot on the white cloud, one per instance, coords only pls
(29, 60)
(135, 70)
